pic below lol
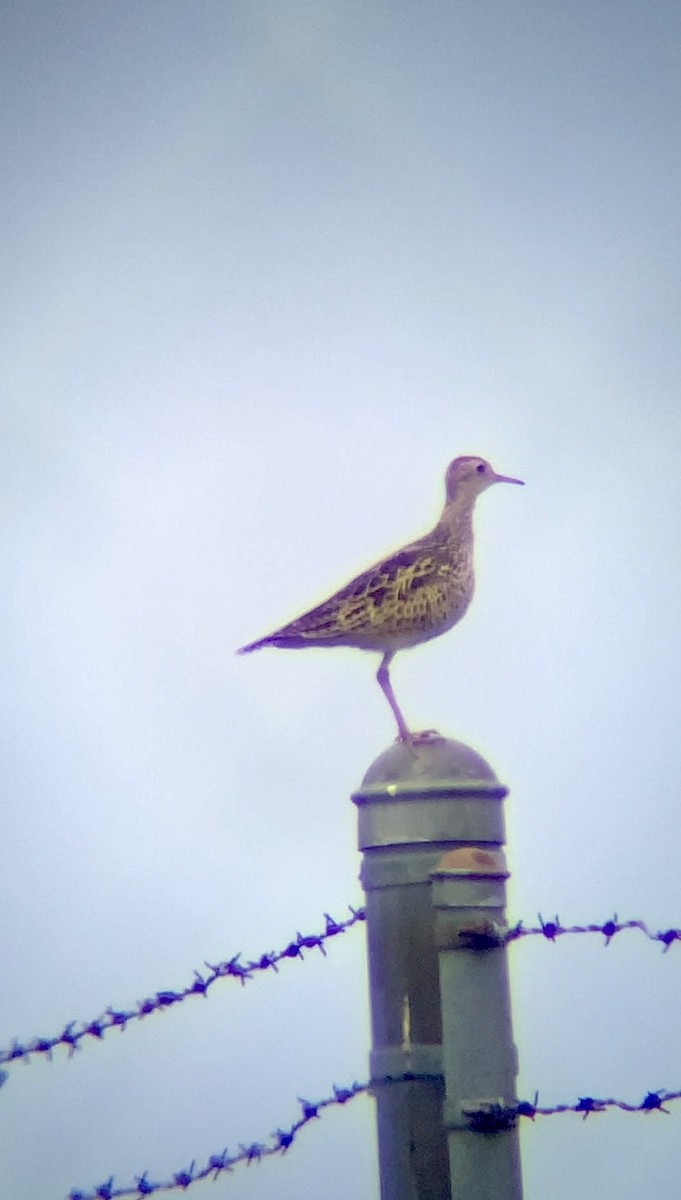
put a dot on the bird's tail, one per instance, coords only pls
(266, 641)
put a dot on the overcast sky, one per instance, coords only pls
(267, 268)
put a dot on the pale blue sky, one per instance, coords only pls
(267, 268)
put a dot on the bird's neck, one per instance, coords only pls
(457, 517)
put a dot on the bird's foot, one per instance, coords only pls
(424, 737)
(427, 735)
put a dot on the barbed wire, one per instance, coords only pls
(232, 968)
(279, 1142)
(586, 1105)
(551, 930)
(489, 1119)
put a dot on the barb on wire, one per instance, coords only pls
(72, 1035)
(282, 1139)
(550, 930)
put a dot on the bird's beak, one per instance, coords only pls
(508, 479)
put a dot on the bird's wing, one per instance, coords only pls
(410, 587)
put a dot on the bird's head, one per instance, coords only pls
(470, 475)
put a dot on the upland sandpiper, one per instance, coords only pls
(409, 597)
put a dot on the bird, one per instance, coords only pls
(411, 596)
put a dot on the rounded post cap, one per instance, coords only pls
(436, 760)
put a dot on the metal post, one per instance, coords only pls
(415, 805)
(479, 1056)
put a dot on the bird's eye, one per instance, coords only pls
(481, 467)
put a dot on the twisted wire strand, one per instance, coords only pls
(74, 1032)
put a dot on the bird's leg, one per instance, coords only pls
(383, 677)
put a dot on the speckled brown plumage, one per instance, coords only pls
(413, 595)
